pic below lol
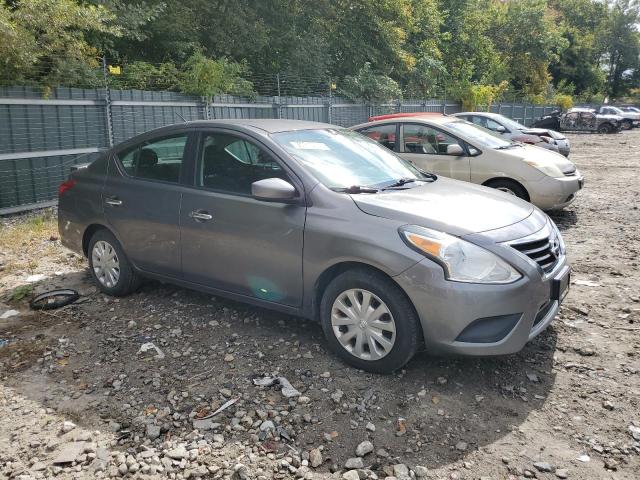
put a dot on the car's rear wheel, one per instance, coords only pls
(509, 186)
(605, 128)
(627, 124)
(369, 322)
(110, 268)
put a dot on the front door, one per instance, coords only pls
(142, 202)
(426, 147)
(231, 241)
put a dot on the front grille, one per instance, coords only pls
(545, 252)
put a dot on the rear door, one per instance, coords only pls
(232, 241)
(426, 147)
(142, 200)
(385, 134)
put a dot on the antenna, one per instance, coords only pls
(181, 117)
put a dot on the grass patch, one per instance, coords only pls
(23, 242)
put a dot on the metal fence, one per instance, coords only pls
(41, 138)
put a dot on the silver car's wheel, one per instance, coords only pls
(106, 265)
(362, 323)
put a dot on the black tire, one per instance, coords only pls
(605, 128)
(408, 334)
(509, 186)
(54, 299)
(627, 124)
(128, 280)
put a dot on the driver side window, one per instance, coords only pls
(231, 164)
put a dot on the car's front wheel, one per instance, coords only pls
(110, 268)
(605, 128)
(509, 186)
(369, 321)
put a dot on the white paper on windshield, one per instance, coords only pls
(309, 146)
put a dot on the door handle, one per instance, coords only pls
(113, 201)
(201, 215)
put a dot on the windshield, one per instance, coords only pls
(615, 110)
(479, 136)
(342, 158)
(511, 124)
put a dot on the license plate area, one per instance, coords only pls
(560, 284)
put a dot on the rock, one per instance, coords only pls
(608, 405)
(364, 448)
(543, 466)
(400, 470)
(229, 358)
(562, 473)
(533, 377)
(351, 475)
(420, 471)
(371, 427)
(461, 446)
(178, 453)
(123, 469)
(610, 464)
(634, 432)
(206, 424)
(68, 453)
(315, 458)
(353, 463)
(267, 425)
(67, 426)
(583, 458)
(153, 432)
(337, 396)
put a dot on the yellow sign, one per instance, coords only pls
(114, 70)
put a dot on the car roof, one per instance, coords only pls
(401, 115)
(404, 118)
(480, 114)
(269, 125)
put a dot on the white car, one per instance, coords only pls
(452, 147)
(630, 119)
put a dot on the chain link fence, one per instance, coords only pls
(44, 132)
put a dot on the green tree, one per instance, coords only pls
(44, 41)
(207, 77)
(369, 86)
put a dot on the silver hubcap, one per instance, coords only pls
(507, 190)
(363, 324)
(105, 264)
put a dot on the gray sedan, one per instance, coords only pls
(318, 221)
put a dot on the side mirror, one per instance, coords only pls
(501, 129)
(273, 190)
(455, 150)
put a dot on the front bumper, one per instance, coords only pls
(551, 193)
(448, 310)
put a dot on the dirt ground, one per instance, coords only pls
(567, 406)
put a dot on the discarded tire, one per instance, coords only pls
(54, 299)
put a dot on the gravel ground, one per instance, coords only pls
(79, 398)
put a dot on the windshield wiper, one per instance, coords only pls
(511, 145)
(355, 189)
(403, 181)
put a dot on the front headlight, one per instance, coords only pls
(558, 235)
(548, 169)
(462, 261)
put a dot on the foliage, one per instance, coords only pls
(482, 95)
(583, 48)
(43, 41)
(208, 77)
(565, 102)
(370, 87)
(21, 292)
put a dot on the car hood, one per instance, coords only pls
(543, 131)
(541, 155)
(632, 115)
(446, 205)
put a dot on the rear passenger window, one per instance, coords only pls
(156, 160)
(385, 135)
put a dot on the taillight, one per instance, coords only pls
(66, 185)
